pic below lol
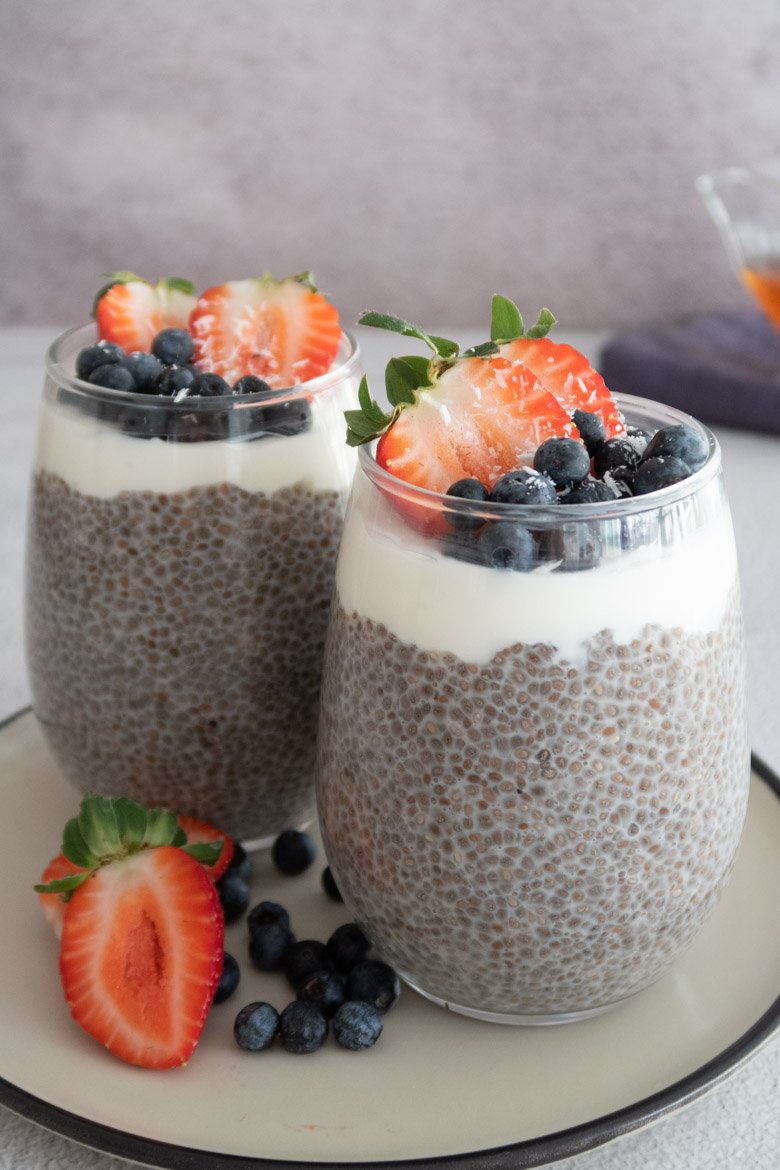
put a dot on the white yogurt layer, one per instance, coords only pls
(98, 460)
(392, 575)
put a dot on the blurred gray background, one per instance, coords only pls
(418, 156)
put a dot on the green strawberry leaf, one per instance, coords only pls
(440, 345)
(178, 284)
(98, 825)
(544, 323)
(206, 852)
(75, 847)
(179, 838)
(506, 324)
(306, 279)
(161, 827)
(65, 885)
(403, 378)
(131, 821)
(484, 350)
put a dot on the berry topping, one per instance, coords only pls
(506, 545)
(591, 428)
(375, 983)
(256, 1027)
(293, 851)
(131, 312)
(304, 958)
(174, 380)
(329, 885)
(466, 489)
(268, 944)
(102, 354)
(324, 988)
(141, 903)
(283, 418)
(113, 377)
(682, 442)
(266, 914)
(250, 385)
(590, 491)
(302, 1027)
(284, 332)
(659, 471)
(347, 946)
(613, 454)
(564, 461)
(207, 386)
(173, 347)
(228, 980)
(357, 1025)
(524, 486)
(145, 368)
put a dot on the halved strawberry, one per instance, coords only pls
(141, 955)
(568, 374)
(200, 831)
(53, 905)
(284, 332)
(130, 311)
(481, 419)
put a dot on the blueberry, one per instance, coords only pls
(638, 438)
(207, 386)
(357, 1025)
(524, 486)
(506, 545)
(293, 852)
(173, 379)
(374, 982)
(466, 489)
(241, 862)
(174, 347)
(565, 461)
(113, 377)
(233, 894)
(145, 369)
(302, 1027)
(574, 546)
(614, 453)
(347, 946)
(197, 426)
(658, 472)
(228, 980)
(105, 353)
(329, 885)
(462, 546)
(250, 384)
(684, 443)
(256, 1027)
(591, 429)
(282, 418)
(268, 945)
(324, 988)
(304, 958)
(590, 491)
(267, 914)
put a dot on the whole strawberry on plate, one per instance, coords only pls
(282, 331)
(142, 934)
(130, 311)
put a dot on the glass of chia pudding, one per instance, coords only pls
(181, 552)
(533, 761)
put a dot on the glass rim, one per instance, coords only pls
(556, 514)
(313, 388)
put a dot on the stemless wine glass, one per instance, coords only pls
(179, 571)
(532, 784)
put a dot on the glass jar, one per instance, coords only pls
(531, 784)
(179, 572)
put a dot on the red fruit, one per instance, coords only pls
(282, 331)
(141, 955)
(53, 905)
(198, 831)
(131, 312)
(567, 374)
(481, 419)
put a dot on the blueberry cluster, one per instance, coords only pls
(337, 986)
(168, 372)
(569, 471)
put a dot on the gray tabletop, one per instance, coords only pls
(738, 1124)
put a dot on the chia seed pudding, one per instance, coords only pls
(177, 602)
(532, 784)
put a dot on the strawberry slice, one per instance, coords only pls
(130, 311)
(284, 332)
(141, 955)
(567, 374)
(481, 419)
(53, 905)
(200, 831)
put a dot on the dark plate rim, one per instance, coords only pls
(524, 1155)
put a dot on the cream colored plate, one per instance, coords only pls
(436, 1085)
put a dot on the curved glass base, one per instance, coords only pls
(517, 1018)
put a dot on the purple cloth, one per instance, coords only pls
(723, 368)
